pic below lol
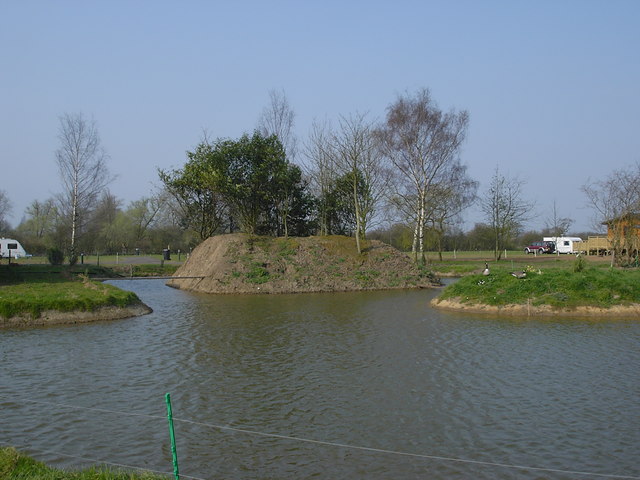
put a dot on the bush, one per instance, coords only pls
(579, 264)
(55, 256)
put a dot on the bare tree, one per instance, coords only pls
(448, 198)
(319, 169)
(356, 157)
(41, 218)
(5, 211)
(616, 201)
(83, 171)
(421, 141)
(505, 209)
(144, 212)
(278, 119)
(557, 225)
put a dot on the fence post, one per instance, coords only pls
(172, 436)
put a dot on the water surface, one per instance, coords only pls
(456, 394)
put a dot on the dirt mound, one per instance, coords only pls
(239, 263)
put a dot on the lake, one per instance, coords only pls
(366, 385)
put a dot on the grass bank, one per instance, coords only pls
(30, 290)
(17, 466)
(559, 287)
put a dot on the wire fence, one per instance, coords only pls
(288, 438)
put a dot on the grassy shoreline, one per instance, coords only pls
(15, 465)
(546, 290)
(29, 292)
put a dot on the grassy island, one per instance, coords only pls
(549, 290)
(41, 294)
(17, 466)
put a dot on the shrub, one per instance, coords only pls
(579, 264)
(55, 256)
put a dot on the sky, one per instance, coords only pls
(552, 87)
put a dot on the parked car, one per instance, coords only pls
(540, 247)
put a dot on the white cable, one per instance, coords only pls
(353, 447)
(407, 454)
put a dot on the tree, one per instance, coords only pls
(291, 203)
(278, 119)
(5, 211)
(104, 232)
(247, 173)
(39, 225)
(319, 169)
(356, 157)
(616, 202)
(249, 181)
(420, 140)
(83, 171)
(200, 204)
(505, 210)
(557, 226)
(448, 198)
(143, 213)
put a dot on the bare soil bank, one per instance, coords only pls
(239, 263)
(620, 311)
(55, 317)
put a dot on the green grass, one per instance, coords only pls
(257, 274)
(554, 286)
(32, 289)
(17, 466)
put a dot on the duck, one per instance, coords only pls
(519, 274)
(486, 271)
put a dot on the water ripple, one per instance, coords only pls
(375, 369)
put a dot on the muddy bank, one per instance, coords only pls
(55, 317)
(619, 311)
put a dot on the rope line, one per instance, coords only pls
(344, 445)
(94, 460)
(406, 454)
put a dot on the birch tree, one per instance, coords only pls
(83, 170)
(420, 140)
(356, 157)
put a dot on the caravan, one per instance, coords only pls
(10, 248)
(564, 244)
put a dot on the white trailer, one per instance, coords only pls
(10, 248)
(564, 244)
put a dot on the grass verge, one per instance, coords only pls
(17, 466)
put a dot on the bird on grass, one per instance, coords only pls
(520, 274)
(486, 271)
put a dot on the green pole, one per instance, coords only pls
(173, 438)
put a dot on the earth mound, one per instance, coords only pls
(240, 263)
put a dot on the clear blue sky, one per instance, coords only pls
(552, 87)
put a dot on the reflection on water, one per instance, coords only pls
(374, 369)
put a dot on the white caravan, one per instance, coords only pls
(564, 244)
(10, 248)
